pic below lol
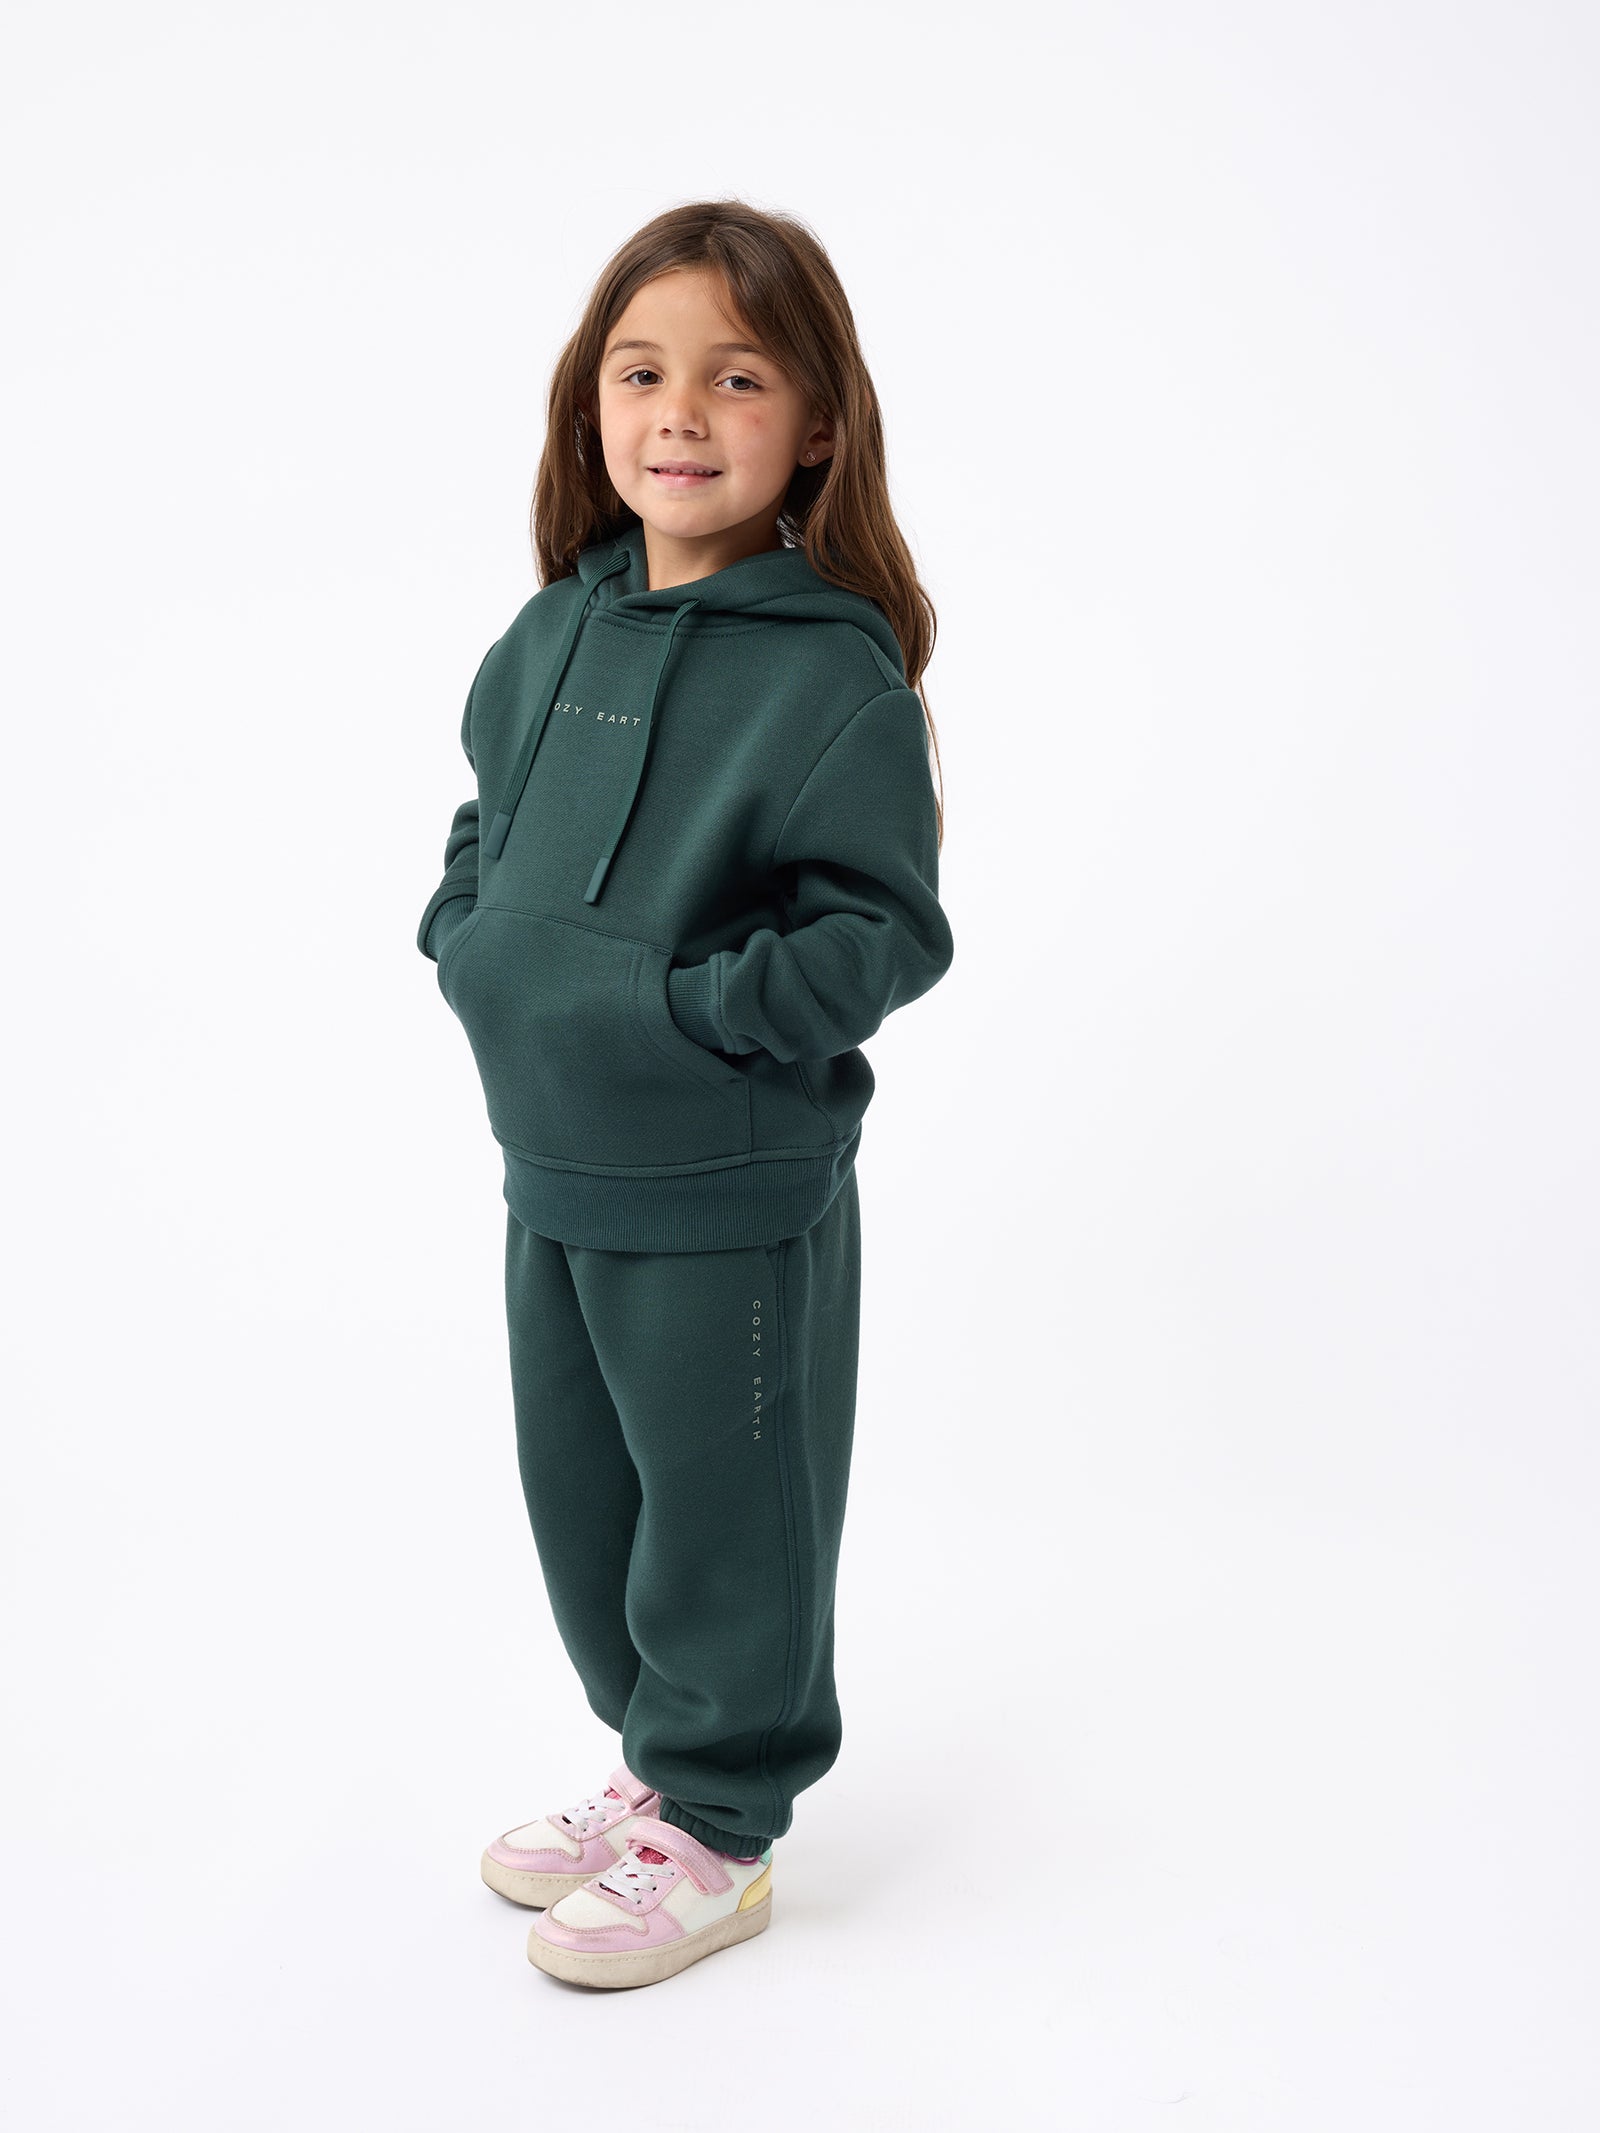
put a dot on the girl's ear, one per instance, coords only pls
(817, 444)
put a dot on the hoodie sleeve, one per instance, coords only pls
(867, 932)
(458, 891)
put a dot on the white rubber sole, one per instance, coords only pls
(537, 1891)
(650, 1965)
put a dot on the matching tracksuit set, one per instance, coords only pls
(699, 868)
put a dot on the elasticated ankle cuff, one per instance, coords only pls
(720, 1840)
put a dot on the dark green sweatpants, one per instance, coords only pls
(684, 1424)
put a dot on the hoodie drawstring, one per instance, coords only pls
(602, 864)
(511, 794)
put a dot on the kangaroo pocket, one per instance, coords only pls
(580, 1059)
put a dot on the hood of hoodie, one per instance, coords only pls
(778, 585)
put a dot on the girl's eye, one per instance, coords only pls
(645, 372)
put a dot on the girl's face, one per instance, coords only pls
(679, 388)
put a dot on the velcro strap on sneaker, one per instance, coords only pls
(623, 1780)
(702, 1866)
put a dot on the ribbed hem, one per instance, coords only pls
(720, 1840)
(743, 1204)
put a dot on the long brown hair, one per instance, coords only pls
(783, 291)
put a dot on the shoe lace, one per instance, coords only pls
(638, 1873)
(597, 1808)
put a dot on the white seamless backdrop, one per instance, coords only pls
(1217, 1608)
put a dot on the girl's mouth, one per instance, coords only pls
(680, 474)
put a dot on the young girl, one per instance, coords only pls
(699, 869)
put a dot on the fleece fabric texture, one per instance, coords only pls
(699, 869)
(684, 1424)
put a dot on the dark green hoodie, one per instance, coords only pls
(700, 868)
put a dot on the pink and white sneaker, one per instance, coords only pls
(540, 1862)
(665, 1903)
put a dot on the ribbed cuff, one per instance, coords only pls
(720, 1840)
(440, 927)
(692, 998)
